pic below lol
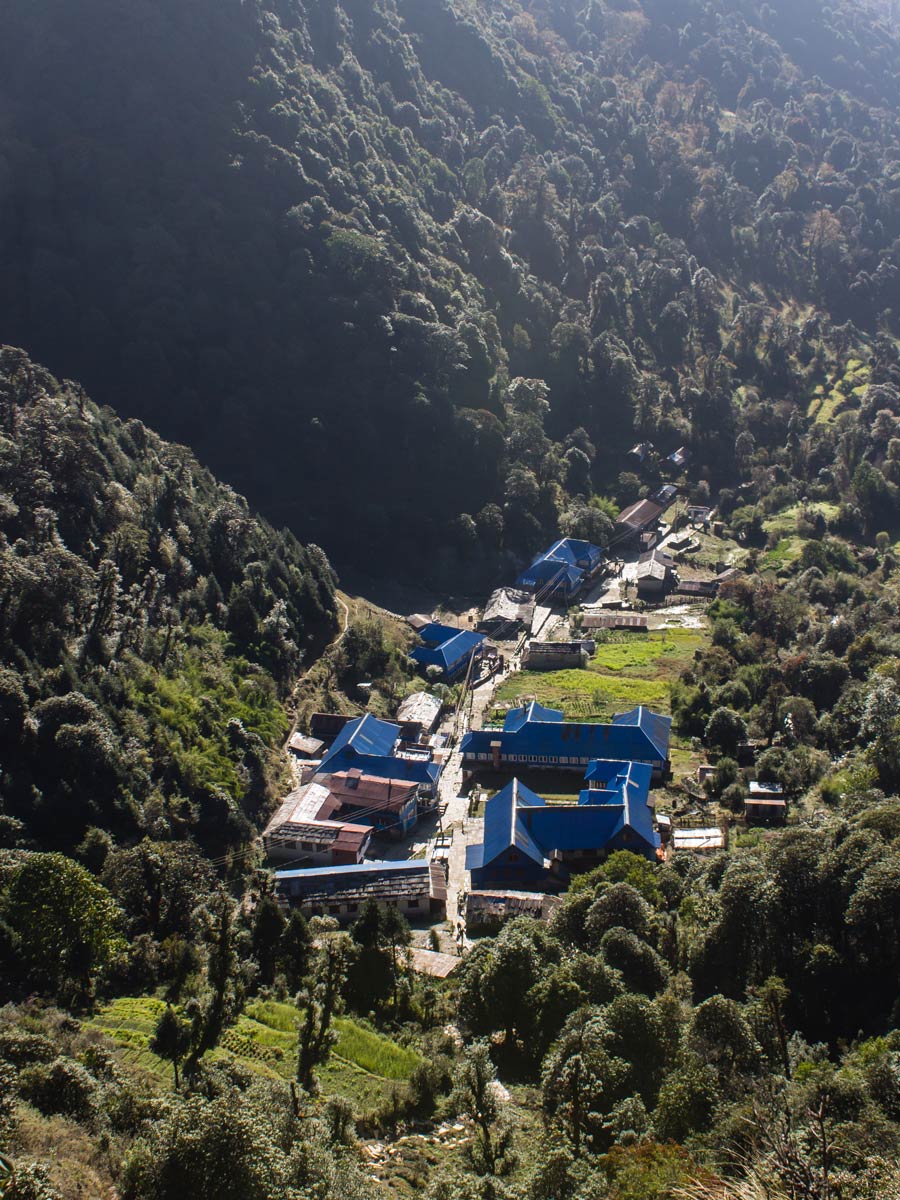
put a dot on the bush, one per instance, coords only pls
(62, 1086)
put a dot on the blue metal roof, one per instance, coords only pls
(450, 653)
(436, 633)
(621, 782)
(503, 828)
(517, 717)
(365, 735)
(384, 766)
(655, 727)
(517, 818)
(564, 563)
(636, 735)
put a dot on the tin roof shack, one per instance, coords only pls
(633, 520)
(655, 575)
(641, 451)
(306, 747)
(703, 589)
(487, 911)
(562, 570)
(765, 804)
(449, 649)
(416, 887)
(302, 831)
(665, 495)
(528, 842)
(507, 611)
(419, 715)
(708, 840)
(537, 737)
(557, 656)
(679, 458)
(615, 621)
(433, 962)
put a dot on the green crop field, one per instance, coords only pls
(630, 669)
(362, 1067)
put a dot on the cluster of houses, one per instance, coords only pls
(531, 843)
(374, 778)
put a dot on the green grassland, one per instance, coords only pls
(630, 669)
(363, 1066)
(829, 400)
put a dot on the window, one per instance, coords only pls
(351, 908)
(334, 909)
(413, 903)
(307, 845)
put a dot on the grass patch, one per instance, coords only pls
(629, 670)
(784, 523)
(787, 551)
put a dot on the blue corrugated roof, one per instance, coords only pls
(384, 766)
(517, 717)
(437, 634)
(364, 735)
(628, 781)
(449, 653)
(503, 828)
(517, 818)
(637, 735)
(655, 726)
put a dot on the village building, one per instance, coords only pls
(416, 887)
(507, 611)
(375, 747)
(538, 738)
(641, 451)
(449, 649)
(699, 514)
(418, 621)
(663, 496)
(391, 806)
(557, 656)
(528, 842)
(487, 910)
(559, 574)
(765, 803)
(679, 458)
(303, 832)
(702, 589)
(326, 726)
(635, 519)
(655, 575)
(418, 716)
(303, 746)
(630, 621)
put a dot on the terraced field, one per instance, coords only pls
(363, 1065)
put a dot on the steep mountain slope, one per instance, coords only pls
(150, 627)
(317, 240)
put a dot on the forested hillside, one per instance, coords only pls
(150, 628)
(321, 242)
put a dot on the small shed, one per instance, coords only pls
(418, 621)
(765, 803)
(557, 656)
(305, 746)
(700, 841)
(704, 589)
(629, 621)
(433, 963)
(655, 574)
